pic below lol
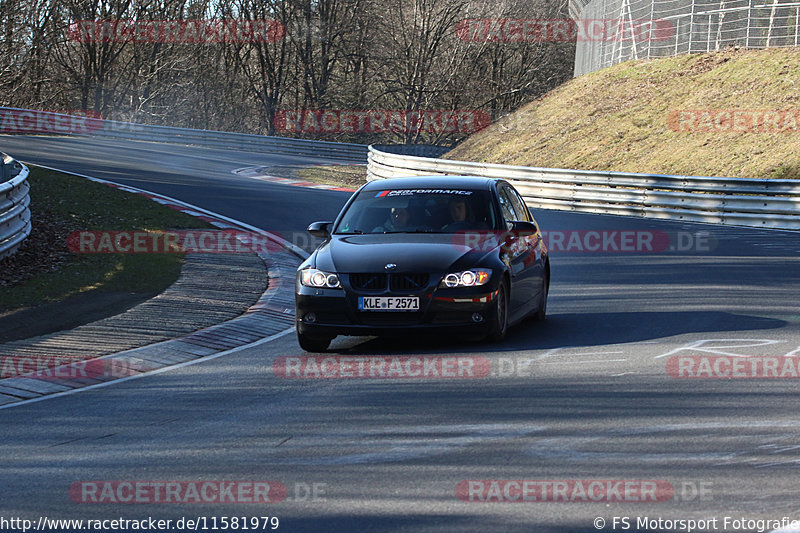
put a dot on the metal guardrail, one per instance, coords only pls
(419, 150)
(28, 121)
(15, 216)
(733, 201)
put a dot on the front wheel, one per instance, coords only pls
(313, 343)
(541, 313)
(500, 326)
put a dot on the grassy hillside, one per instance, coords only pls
(626, 118)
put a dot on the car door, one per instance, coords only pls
(535, 255)
(520, 250)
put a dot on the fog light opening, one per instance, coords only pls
(310, 318)
(477, 318)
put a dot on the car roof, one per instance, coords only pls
(432, 182)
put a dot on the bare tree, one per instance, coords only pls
(412, 35)
(317, 31)
(265, 63)
(405, 55)
(92, 55)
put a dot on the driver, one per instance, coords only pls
(457, 207)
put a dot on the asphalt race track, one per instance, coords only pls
(588, 407)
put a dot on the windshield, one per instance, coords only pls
(418, 211)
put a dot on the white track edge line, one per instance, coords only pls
(297, 250)
(150, 373)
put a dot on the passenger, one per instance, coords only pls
(398, 221)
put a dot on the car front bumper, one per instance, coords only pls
(331, 312)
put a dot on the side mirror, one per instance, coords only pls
(523, 228)
(320, 229)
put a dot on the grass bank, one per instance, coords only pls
(45, 271)
(663, 116)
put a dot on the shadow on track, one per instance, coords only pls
(569, 330)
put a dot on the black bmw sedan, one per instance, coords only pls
(448, 253)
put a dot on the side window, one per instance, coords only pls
(519, 205)
(507, 206)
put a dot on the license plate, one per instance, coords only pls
(388, 303)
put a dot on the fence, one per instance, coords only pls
(15, 216)
(27, 121)
(672, 27)
(734, 201)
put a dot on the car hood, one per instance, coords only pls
(411, 252)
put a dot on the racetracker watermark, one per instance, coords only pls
(564, 490)
(380, 121)
(27, 121)
(563, 30)
(734, 121)
(67, 369)
(382, 367)
(731, 367)
(203, 492)
(594, 241)
(199, 31)
(171, 242)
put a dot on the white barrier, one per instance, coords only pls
(734, 201)
(15, 215)
(28, 121)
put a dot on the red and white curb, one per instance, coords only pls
(271, 317)
(256, 173)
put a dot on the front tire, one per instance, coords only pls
(541, 313)
(500, 326)
(313, 343)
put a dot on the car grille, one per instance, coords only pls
(397, 282)
(409, 282)
(368, 282)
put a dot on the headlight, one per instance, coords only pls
(311, 277)
(467, 278)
